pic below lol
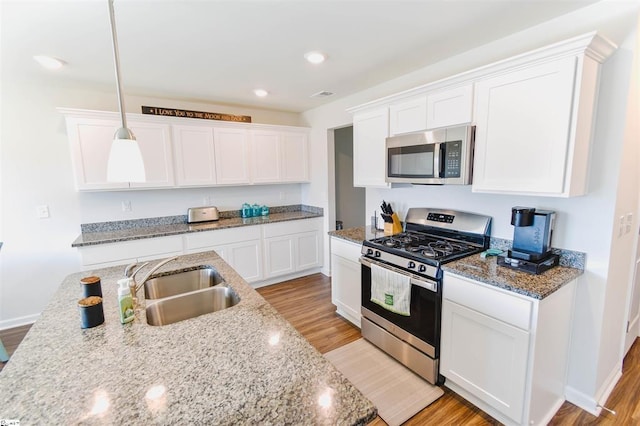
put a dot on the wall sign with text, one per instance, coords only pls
(172, 112)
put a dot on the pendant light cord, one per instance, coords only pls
(116, 60)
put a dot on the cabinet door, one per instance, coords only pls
(346, 288)
(194, 155)
(308, 251)
(408, 116)
(90, 141)
(246, 259)
(523, 129)
(231, 156)
(155, 144)
(370, 130)
(450, 107)
(265, 156)
(486, 357)
(279, 256)
(295, 157)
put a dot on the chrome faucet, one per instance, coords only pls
(135, 286)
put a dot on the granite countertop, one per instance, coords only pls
(487, 271)
(151, 231)
(241, 365)
(357, 234)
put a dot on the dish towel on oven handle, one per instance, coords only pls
(391, 290)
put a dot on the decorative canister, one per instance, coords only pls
(91, 312)
(91, 286)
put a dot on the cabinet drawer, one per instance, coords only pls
(221, 236)
(501, 305)
(127, 250)
(345, 249)
(290, 227)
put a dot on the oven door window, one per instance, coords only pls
(424, 321)
(414, 161)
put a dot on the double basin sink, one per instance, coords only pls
(187, 294)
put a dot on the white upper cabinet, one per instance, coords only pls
(90, 137)
(266, 163)
(533, 129)
(279, 156)
(231, 154)
(90, 140)
(295, 157)
(187, 153)
(533, 113)
(154, 140)
(370, 130)
(408, 116)
(450, 107)
(194, 156)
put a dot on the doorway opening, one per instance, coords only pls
(349, 200)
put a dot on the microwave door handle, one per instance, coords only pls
(436, 160)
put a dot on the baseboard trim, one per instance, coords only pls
(276, 280)
(582, 400)
(17, 322)
(608, 385)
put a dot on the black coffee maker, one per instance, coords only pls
(532, 232)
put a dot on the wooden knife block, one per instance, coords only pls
(393, 228)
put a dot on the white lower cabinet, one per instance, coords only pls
(504, 352)
(257, 252)
(241, 248)
(345, 279)
(105, 255)
(292, 247)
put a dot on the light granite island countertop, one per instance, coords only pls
(242, 365)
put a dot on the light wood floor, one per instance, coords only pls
(306, 304)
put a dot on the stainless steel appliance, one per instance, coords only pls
(202, 214)
(441, 156)
(532, 232)
(431, 237)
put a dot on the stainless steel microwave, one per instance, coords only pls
(438, 157)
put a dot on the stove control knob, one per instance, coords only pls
(411, 265)
(369, 252)
(377, 254)
(422, 268)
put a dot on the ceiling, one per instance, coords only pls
(219, 51)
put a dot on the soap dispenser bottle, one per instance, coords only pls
(125, 301)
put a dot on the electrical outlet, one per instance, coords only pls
(43, 211)
(126, 206)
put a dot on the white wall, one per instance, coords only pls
(35, 169)
(584, 223)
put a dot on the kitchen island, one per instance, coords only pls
(241, 365)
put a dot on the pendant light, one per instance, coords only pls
(125, 159)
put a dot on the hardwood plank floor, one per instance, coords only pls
(11, 338)
(306, 304)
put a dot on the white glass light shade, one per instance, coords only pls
(125, 159)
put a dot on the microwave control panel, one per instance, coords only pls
(452, 158)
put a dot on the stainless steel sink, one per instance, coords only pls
(181, 282)
(190, 305)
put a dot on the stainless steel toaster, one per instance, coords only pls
(202, 214)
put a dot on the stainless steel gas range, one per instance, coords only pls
(413, 258)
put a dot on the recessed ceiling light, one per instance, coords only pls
(261, 93)
(49, 62)
(315, 57)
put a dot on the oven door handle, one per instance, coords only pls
(431, 286)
